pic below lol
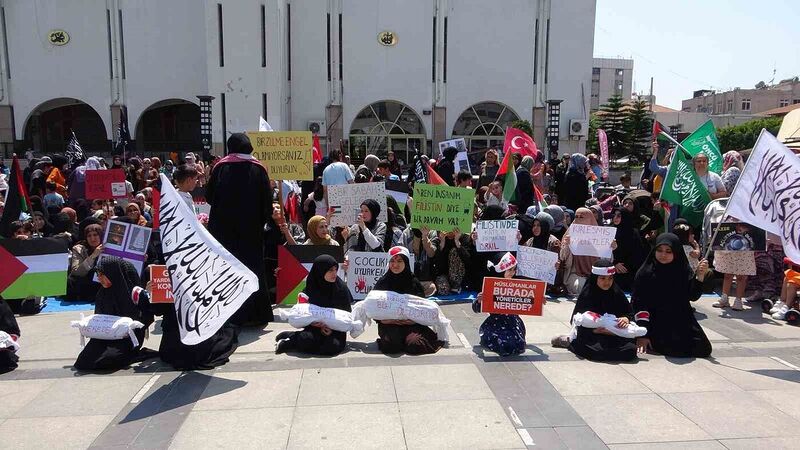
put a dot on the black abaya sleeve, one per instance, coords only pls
(695, 289)
(8, 322)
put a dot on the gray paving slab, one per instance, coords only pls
(346, 386)
(516, 401)
(727, 415)
(545, 438)
(66, 432)
(475, 424)
(583, 438)
(439, 382)
(259, 428)
(365, 426)
(619, 419)
(784, 401)
(756, 373)
(589, 378)
(785, 443)
(15, 394)
(257, 390)
(674, 375)
(548, 401)
(690, 445)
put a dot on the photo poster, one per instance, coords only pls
(105, 184)
(513, 296)
(537, 264)
(460, 144)
(126, 241)
(294, 262)
(442, 208)
(160, 285)
(461, 163)
(287, 155)
(590, 240)
(739, 237)
(346, 199)
(364, 269)
(497, 235)
(398, 190)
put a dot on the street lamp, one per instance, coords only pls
(205, 123)
(553, 122)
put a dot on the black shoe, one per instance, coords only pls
(283, 335)
(283, 346)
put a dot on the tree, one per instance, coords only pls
(743, 137)
(523, 125)
(639, 130)
(592, 145)
(613, 119)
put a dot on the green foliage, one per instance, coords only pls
(639, 131)
(613, 119)
(742, 137)
(592, 145)
(523, 125)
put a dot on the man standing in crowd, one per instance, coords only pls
(241, 203)
(337, 172)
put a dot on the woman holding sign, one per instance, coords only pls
(663, 288)
(403, 336)
(577, 268)
(368, 233)
(323, 288)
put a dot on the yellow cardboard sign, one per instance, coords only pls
(287, 155)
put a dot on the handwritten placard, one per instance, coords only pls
(510, 296)
(105, 184)
(160, 285)
(346, 199)
(537, 264)
(364, 269)
(287, 155)
(590, 240)
(497, 235)
(442, 208)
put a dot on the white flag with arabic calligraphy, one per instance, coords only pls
(767, 194)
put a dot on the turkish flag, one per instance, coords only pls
(518, 141)
(317, 155)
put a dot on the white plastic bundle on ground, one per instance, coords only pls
(302, 315)
(7, 342)
(107, 328)
(591, 319)
(388, 305)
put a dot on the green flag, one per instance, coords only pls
(683, 187)
(704, 139)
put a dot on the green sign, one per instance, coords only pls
(704, 140)
(442, 208)
(683, 187)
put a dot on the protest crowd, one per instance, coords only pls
(379, 242)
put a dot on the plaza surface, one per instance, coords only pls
(461, 397)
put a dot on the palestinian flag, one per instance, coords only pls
(17, 200)
(295, 262)
(659, 128)
(508, 175)
(538, 199)
(33, 267)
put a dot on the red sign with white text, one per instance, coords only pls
(105, 184)
(161, 285)
(512, 296)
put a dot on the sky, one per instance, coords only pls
(687, 45)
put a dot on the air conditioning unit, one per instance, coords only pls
(318, 127)
(578, 128)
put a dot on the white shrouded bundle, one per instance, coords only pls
(302, 315)
(389, 305)
(591, 319)
(107, 328)
(7, 342)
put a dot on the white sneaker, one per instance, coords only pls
(776, 307)
(722, 302)
(781, 313)
(737, 305)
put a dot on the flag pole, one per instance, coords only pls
(728, 204)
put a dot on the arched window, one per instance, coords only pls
(384, 126)
(484, 125)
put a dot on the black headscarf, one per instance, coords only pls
(375, 210)
(492, 212)
(450, 153)
(47, 229)
(116, 300)
(62, 223)
(665, 280)
(403, 283)
(592, 298)
(543, 240)
(320, 292)
(239, 143)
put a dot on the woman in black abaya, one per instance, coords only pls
(8, 324)
(403, 336)
(631, 249)
(662, 290)
(117, 278)
(601, 295)
(323, 288)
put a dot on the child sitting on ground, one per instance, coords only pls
(788, 292)
(502, 333)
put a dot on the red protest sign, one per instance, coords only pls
(510, 296)
(105, 184)
(160, 285)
